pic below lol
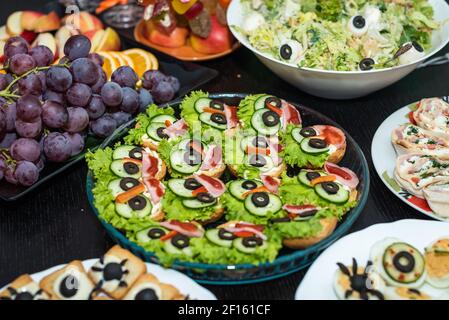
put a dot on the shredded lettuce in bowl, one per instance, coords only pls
(320, 33)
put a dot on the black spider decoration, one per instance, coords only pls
(359, 281)
(111, 271)
(22, 295)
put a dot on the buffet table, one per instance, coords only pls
(54, 224)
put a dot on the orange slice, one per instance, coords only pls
(110, 63)
(128, 60)
(143, 60)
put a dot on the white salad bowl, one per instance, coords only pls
(341, 84)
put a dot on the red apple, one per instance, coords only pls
(177, 38)
(219, 39)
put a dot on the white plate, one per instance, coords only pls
(384, 159)
(183, 283)
(317, 283)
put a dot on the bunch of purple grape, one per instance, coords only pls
(47, 111)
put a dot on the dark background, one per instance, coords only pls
(54, 225)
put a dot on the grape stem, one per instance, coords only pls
(7, 94)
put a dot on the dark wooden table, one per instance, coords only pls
(53, 225)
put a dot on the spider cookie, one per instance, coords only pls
(148, 287)
(116, 272)
(23, 288)
(69, 283)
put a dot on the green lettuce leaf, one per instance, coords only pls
(235, 210)
(294, 156)
(175, 210)
(208, 252)
(293, 192)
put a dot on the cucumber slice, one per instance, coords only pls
(196, 204)
(205, 117)
(212, 236)
(177, 187)
(403, 263)
(296, 135)
(273, 206)
(178, 163)
(115, 188)
(162, 118)
(122, 152)
(171, 249)
(185, 143)
(144, 237)
(202, 103)
(342, 195)
(260, 103)
(153, 129)
(237, 190)
(117, 167)
(269, 164)
(125, 210)
(304, 174)
(238, 244)
(311, 150)
(257, 123)
(249, 141)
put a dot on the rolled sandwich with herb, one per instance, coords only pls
(432, 114)
(311, 147)
(236, 242)
(197, 198)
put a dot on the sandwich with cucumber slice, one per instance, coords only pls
(197, 198)
(155, 125)
(267, 115)
(251, 201)
(311, 147)
(250, 155)
(185, 156)
(236, 242)
(200, 110)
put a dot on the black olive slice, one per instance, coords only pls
(215, 104)
(180, 241)
(24, 295)
(260, 142)
(128, 183)
(137, 203)
(191, 184)
(285, 52)
(312, 175)
(146, 294)
(307, 214)
(280, 220)
(225, 235)
(252, 242)
(112, 271)
(249, 185)
(270, 118)
(131, 168)
(218, 118)
(205, 197)
(161, 133)
(156, 233)
(257, 161)
(359, 22)
(308, 132)
(136, 153)
(68, 287)
(417, 46)
(330, 187)
(192, 158)
(318, 143)
(273, 102)
(404, 262)
(367, 64)
(260, 199)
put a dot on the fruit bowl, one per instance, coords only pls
(341, 84)
(288, 261)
